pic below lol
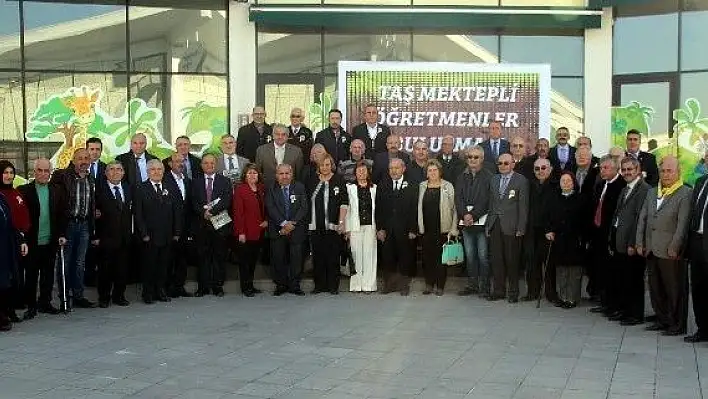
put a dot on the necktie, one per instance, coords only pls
(397, 186)
(187, 167)
(503, 185)
(700, 208)
(119, 197)
(231, 162)
(93, 170)
(598, 211)
(209, 188)
(158, 189)
(286, 200)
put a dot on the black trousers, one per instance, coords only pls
(157, 259)
(398, 257)
(326, 250)
(433, 269)
(177, 271)
(248, 253)
(113, 273)
(211, 246)
(699, 281)
(598, 262)
(629, 284)
(535, 269)
(39, 267)
(286, 258)
(505, 259)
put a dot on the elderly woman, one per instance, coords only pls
(249, 225)
(361, 229)
(437, 219)
(309, 171)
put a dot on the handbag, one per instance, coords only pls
(452, 252)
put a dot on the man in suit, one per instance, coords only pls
(494, 146)
(417, 171)
(585, 141)
(191, 164)
(698, 256)
(372, 133)
(562, 155)
(646, 160)
(253, 135)
(298, 134)
(383, 160)
(347, 168)
(523, 164)
(158, 221)
(334, 138)
(179, 186)
(228, 163)
(506, 226)
(211, 198)
(397, 223)
(452, 164)
(97, 169)
(661, 236)
(135, 161)
(606, 194)
(626, 282)
(41, 239)
(586, 176)
(114, 234)
(287, 208)
(278, 152)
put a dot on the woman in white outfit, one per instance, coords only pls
(361, 230)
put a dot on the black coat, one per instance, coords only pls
(647, 161)
(299, 211)
(185, 203)
(195, 163)
(337, 148)
(336, 200)
(541, 194)
(609, 203)
(249, 139)
(555, 160)
(157, 215)
(114, 227)
(302, 140)
(397, 212)
(29, 194)
(375, 146)
(472, 194)
(567, 248)
(380, 170)
(452, 168)
(524, 167)
(9, 246)
(130, 165)
(221, 188)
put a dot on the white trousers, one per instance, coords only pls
(363, 244)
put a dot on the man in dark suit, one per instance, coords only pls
(698, 256)
(211, 202)
(562, 155)
(158, 222)
(383, 160)
(287, 208)
(604, 202)
(452, 164)
(397, 224)
(494, 146)
(191, 164)
(278, 152)
(179, 186)
(97, 169)
(647, 160)
(335, 140)
(113, 231)
(228, 163)
(298, 134)
(523, 164)
(625, 284)
(41, 239)
(372, 133)
(253, 135)
(585, 141)
(417, 169)
(505, 227)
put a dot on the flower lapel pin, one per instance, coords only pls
(512, 194)
(292, 198)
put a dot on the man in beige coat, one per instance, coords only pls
(661, 237)
(269, 156)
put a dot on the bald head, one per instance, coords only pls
(81, 160)
(669, 171)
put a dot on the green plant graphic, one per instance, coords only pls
(690, 127)
(318, 112)
(138, 118)
(206, 118)
(635, 115)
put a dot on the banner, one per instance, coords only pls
(428, 101)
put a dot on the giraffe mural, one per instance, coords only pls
(83, 106)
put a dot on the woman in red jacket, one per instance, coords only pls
(249, 225)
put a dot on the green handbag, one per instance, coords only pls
(452, 252)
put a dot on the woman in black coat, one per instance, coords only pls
(567, 251)
(10, 247)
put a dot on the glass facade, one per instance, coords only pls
(73, 71)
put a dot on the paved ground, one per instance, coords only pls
(350, 346)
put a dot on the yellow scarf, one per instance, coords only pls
(666, 191)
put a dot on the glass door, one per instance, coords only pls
(281, 93)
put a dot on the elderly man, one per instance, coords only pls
(472, 203)
(586, 142)
(625, 290)
(522, 163)
(135, 161)
(335, 140)
(646, 160)
(662, 236)
(417, 172)
(278, 152)
(494, 146)
(382, 160)
(505, 227)
(41, 238)
(254, 135)
(617, 153)
(698, 255)
(452, 164)
(191, 164)
(562, 155)
(298, 134)
(228, 163)
(372, 133)
(348, 167)
(179, 186)
(74, 190)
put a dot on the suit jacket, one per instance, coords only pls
(472, 194)
(299, 210)
(185, 203)
(697, 213)
(100, 176)
(337, 148)
(114, 227)
(525, 166)
(221, 189)
(195, 164)
(267, 164)
(490, 161)
(248, 140)
(396, 211)
(452, 168)
(375, 146)
(337, 198)
(29, 194)
(448, 213)
(381, 165)
(648, 163)
(509, 209)
(303, 139)
(609, 204)
(222, 167)
(249, 211)
(659, 230)
(626, 216)
(556, 163)
(130, 165)
(540, 195)
(157, 215)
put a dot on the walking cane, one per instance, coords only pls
(64, 302)
(543, 275)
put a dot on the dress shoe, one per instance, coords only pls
(513, 299)
(148, 300)
(427, 291)
(673, 332)
(83, 303)
(651, 318)
(218, 292)
(30, 314)
(201, 293)
(387, 290)
(279, 292)
(164, 298)
(615, 316)
(493, 297)
(568, 304)
(527, 298)
(298, 292)
(316, 291)
(249, 294)
(104, 304)
(256, 291)
(174, 294)
(5, 324)
(12, 316)
(559, 304)
(598, 309)
(121, 302)
(655, 327)
(438, 292)
(631, 321)
(697, 337)
(334, 292)
(47, 308)
(406, 291)
(467, 291)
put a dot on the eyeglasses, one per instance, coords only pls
(473, 157)
(505, 163)
(627, 169)
(538, 168)
(517, 145)
(296, 116)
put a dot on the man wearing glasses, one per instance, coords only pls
(298, 134)
(253, 135)
(562, 155)
(372, 133)
(522, 163)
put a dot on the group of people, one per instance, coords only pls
(551, 218)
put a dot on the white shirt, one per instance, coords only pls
(700, 223)
(154, 186)
(180, 183)
(397, 183)
(373, 130)
(94, 168)
(120, 190)
(234, 160)
(295, 130)
(279, 153)
(142, 165)
(563, 153)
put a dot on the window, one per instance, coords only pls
(384, 47)
(455, 48)
(645, 44)
(289, 53)
(9, 34)
(694, 30)
(564, 53)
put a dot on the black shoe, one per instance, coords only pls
(201, 293)
(83, 303)
(334, 292)
(559, 304)
(428, 291)
(5, 325)
(387, 290)
(104, 304)
(674, 332)
(598, 309)
(298, 292)
(406, 291)
(494, 297)
(651, 318)
(218, 292)
(439, 292)
(528, 298)
(121, 302)
(279, 291)
(162, 297)
(513, 299)
(256, 291)
(174, 294)
(655, 327)
(467, 291)
(12, 316)
(695, 338)
(568, 304)
(631, 321)
(615, 316)
(148, 300)
(249, 294)
(316, 291)
(47, 308)
(30, 314)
